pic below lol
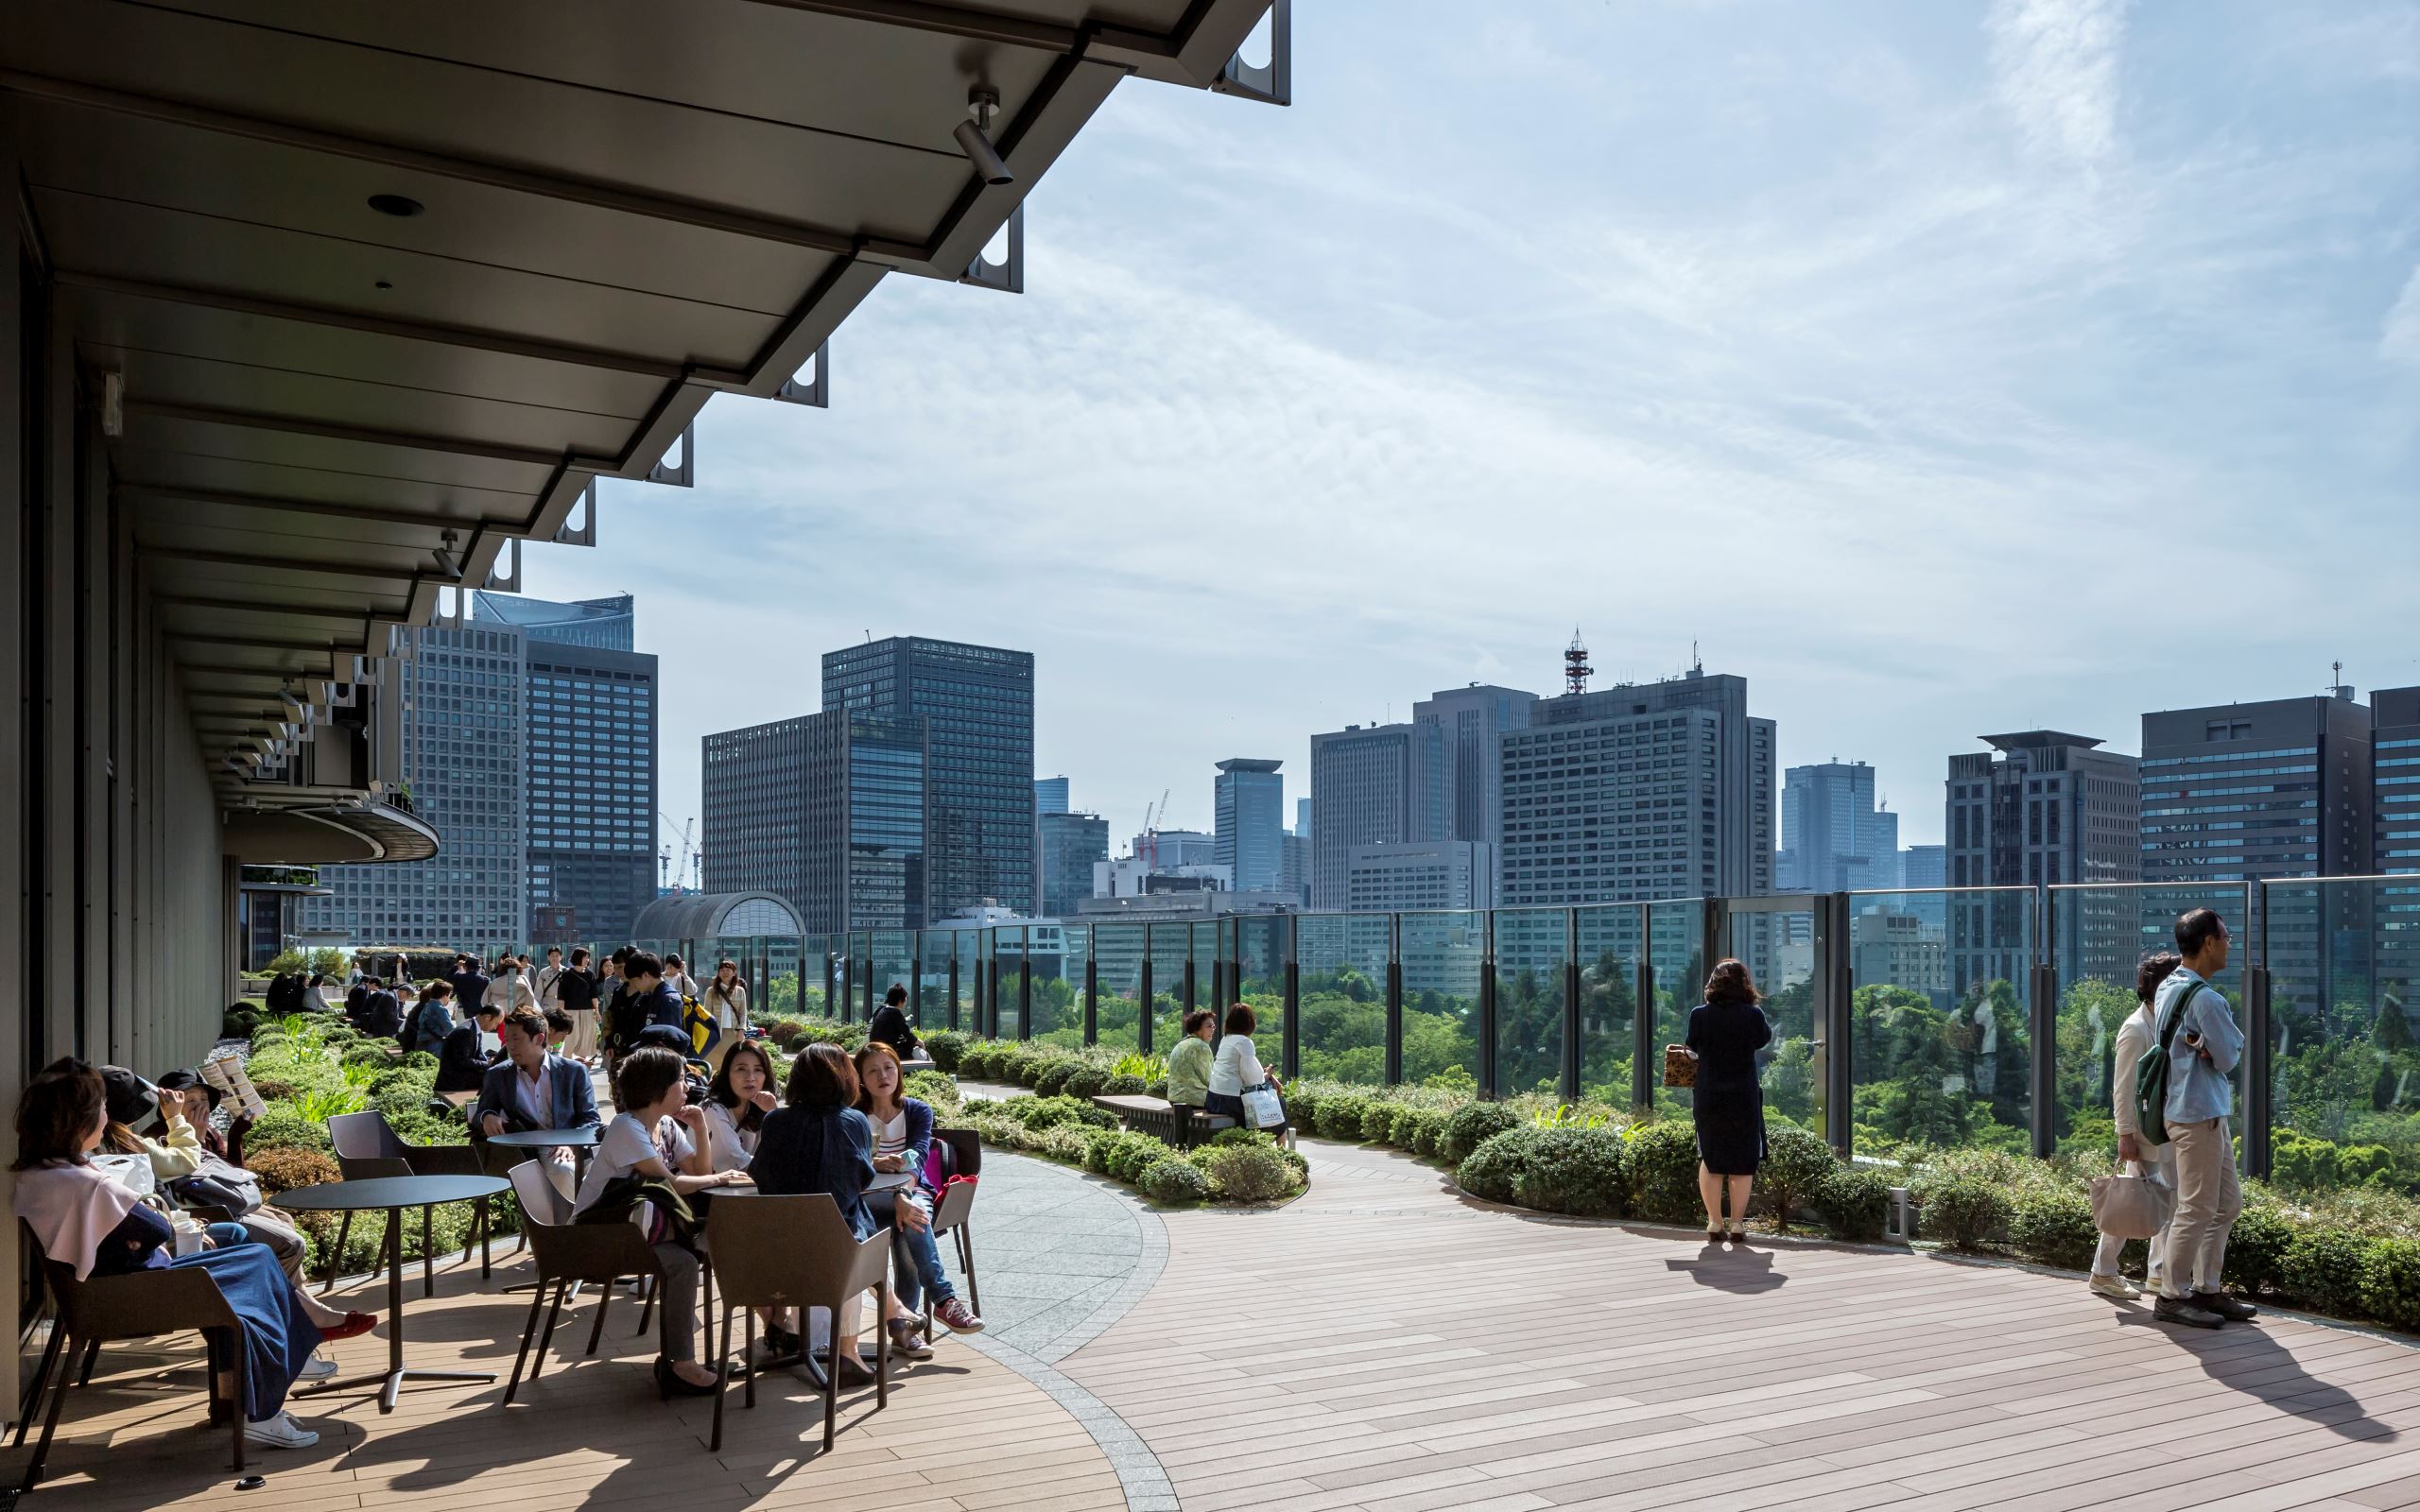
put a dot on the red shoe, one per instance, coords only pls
(957, 1318)
(353, 1326)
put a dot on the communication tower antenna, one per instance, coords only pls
(1576, 670)
(1697, 662)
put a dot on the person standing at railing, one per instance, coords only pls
(1727, 1102)
(2204, 1046)
(2152, 1158)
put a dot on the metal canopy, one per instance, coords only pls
(367, 273)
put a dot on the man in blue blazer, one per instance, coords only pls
(532, 1086)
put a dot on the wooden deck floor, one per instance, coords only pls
(1381, 1344)
(962, 1432)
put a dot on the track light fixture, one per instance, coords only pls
(448, 564)
(974, 138)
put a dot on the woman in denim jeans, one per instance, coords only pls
(902, 1136)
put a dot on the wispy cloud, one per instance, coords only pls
(2055, 67)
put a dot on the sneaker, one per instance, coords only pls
(2183, 1310)
(957, 1317)
(318, 1367)
(908, 1339)
(2234, 1308)
(2117, 1287)
(280, 1431)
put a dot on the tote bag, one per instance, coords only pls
(2130, 1207)
(1263, 1108)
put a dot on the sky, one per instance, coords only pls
(1941, 369)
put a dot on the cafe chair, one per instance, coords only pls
(794, 1251)
(951, 1212)
(565, 1253)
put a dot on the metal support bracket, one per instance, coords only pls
(1007, 276)
(584, 534)
(686, 476)
(816, 392)
(1272, 82)
(500, 578)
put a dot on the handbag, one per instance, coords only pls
(218, 1184)
(1263, 1108)
(1680, 1067)
(2130, 1207)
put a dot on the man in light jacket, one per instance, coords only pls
(2201, 1058)
(2152, 1159)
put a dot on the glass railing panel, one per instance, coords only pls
(1940, 1036)
(1206, 946)
(1444, 955)
(966, 951)
(1609, 941)
(1009, 946)
(1256, 943)
(1342, 959)
(1171, 948)
(894, 962)
(1676, 962)
(2345, 1073)
(1058, 952)
(1117, 959)
(1531, 949)
(2099, 936)
(1778, 948)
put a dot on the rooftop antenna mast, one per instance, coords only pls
(1576, 670)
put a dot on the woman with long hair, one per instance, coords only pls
(903, 1137)
(736, 1104)
(726, 998)
(1727, 1100)
(817, 1141)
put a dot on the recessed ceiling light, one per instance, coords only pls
(397, 205)
(384, 285)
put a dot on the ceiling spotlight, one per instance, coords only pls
(972, 138)
(401, 207)
(447, 564)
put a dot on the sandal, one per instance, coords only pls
(352, 1327)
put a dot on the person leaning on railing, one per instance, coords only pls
(96, 1227)
(1189, 1062)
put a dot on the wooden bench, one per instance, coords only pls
(1181, 1127)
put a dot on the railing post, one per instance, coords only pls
(1143, 1019)
(916, 978)
(1290, 1053)
(2258, 1090)
(2042, 1016)
(1092, 995)
(1394, 1000)
(1644, 1070)
(1024, 993)
(1487, 1067)
(1572, 1019)
(953, 980)
(1834, 984)
(868, 995)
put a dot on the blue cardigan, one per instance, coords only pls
(802, 1151)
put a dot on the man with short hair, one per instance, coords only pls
(543, 983)
(558, 1027)
(531, 1088)
(461, 1065)
(653, 999)
(2203, 1043)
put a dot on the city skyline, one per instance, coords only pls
(1929, 294)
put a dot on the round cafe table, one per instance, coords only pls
(391, 1196)
(579, 1141)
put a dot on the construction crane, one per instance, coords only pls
(669, 875)
(1151, 832)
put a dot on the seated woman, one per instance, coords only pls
(431, 1019)
(902, 1136)
(98, 1228)
(656, 1142)
(1189, 1062)
(1237, 1070)
(736, 1104)
(817, 1141)
(185, 1098)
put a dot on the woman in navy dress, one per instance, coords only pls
(1728, 1103)
(98, 1228)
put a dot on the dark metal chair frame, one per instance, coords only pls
(795, 1251)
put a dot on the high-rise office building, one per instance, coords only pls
(1420, 875)
(828, 811)
(2041, 806)
(2277, 789)
(2395, 764)
(976, 704)
(1050, 794)
(1834, 837)
(1379, 784)
(1635, 793)
(591, 744)
(1302, 818)
(1473, 720)
(465, 749)
(1296, 879)
(1249, 799)
(1893, 945)
(1922, 867)
(1070, 844)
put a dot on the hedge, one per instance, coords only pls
(1240, 1165)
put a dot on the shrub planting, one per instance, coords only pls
(1493, 1169)
(1795, 1162)
(1664, 1172)
(1472, 1125)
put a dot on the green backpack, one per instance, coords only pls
(2151, 1073)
